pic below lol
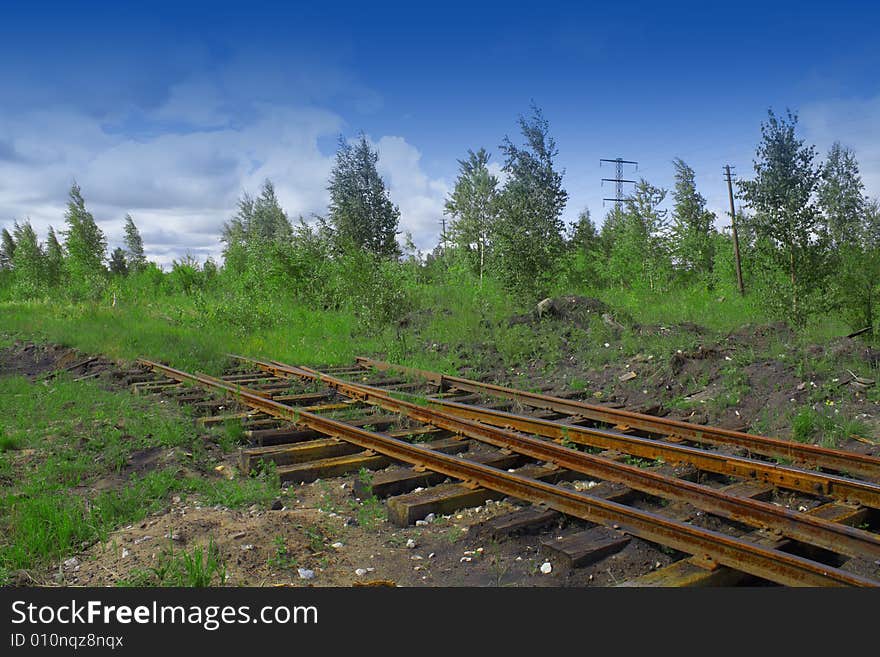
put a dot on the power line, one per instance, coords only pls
(619, 180)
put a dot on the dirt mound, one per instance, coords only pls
(679, 360)
(575, 310)
(853, 349)
(761, 335)
(673, 329)
(32, 360)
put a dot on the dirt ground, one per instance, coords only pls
(264, 547)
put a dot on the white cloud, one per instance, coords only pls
(419, 197)
(181, 186)
(854, 123)
(194, 102)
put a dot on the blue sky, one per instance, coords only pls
(170, 111)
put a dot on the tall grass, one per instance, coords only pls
(76, 433)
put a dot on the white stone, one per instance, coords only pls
(337, 545)
(305, 573)
(360, 572)
(411, 544)
(546, 568)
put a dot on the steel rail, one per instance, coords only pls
(776, 566)
(832, 536)
(833, 459)
(815, 483)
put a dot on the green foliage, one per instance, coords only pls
(258, 225)
(528, 237)
(86, 246)
(792, 236)
(7, 249)
(54, 260)
(841, 195)
(135, 258)
(636, 241)
(371, 513)
(584, 235)
(361, 212)
(281, 558)
(29, 262)
(824, 423)
(186, 275)
(202, 567)
(473, 203)
(118, 264)
(693, 228)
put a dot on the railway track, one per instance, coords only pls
(562, 438)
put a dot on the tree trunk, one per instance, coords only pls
(794, 294)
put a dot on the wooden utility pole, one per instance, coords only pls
(739, 274)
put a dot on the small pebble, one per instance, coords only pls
(546, 568)
(337, 545)
(410, 544)
(305, 573)
(360, 572)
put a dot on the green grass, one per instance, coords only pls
(694, 304)
(175, 333)
(281, 558)
(825, 425)
(62, 436)
(202, 567)
(371, 512)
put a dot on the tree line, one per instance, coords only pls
(810, 237)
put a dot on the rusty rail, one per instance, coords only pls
(832, 459)
(815, 483)
(763, 562)
(815, 531)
